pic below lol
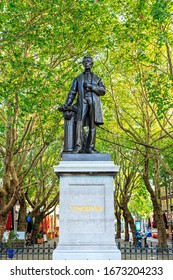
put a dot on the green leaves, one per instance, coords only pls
(161, 10)
(42, 44)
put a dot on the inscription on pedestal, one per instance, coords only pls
(83, 207)
(87, 208)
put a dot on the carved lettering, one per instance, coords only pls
(87, 208)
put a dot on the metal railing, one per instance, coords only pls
(130, 252)
(44, 252)
(22, 252)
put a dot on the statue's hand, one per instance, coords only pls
(88, 86)
(63, 107)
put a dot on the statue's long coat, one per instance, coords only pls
(78, 88)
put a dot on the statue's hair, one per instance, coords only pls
(87, 57)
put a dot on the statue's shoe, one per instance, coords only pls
(77, 150)
(92, 151)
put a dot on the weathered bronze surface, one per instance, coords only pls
(86, 89)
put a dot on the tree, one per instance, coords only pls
(41, 46)
(127, 181)
(137, 120)
(41, 190)
(138, 82)
(131, 42)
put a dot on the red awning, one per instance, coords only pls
(9, 223)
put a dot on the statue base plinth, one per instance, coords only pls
(86, 208)
(85, 252)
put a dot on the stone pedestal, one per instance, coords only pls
(86, 208)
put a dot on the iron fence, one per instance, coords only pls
(44, 252)
(22, 252)
(130, 252)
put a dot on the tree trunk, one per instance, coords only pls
(162, 242)
(3, 222)
(22, 224)
(38, 220)
(9, 191)
(5, 209)
(126, 230)
(128, 217)
(118, 229)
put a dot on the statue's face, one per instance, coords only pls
(87, 63)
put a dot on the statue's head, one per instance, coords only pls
(87, 62)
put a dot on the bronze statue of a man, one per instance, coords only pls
(88, 88)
